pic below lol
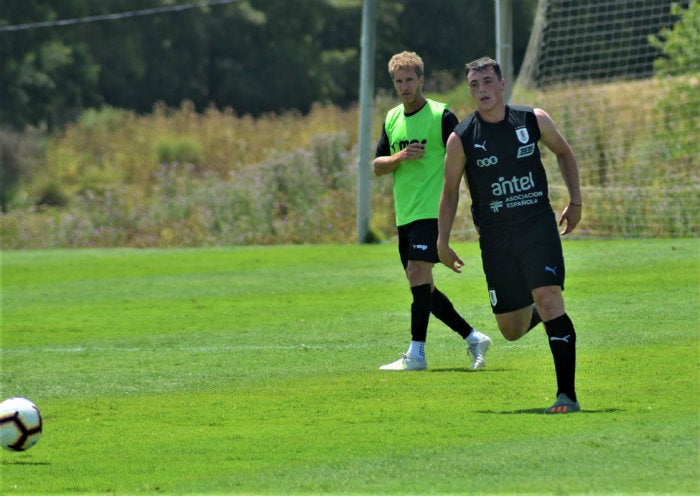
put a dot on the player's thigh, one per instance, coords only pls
(541, 255)
(418, 242)
(508, 288)
(514, 325)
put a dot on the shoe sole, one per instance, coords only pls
(563, 407)
(403, 370)
(552, 410)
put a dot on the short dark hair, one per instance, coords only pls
(483, 64)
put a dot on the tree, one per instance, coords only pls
(679, 67)
(43, 79)
(268, 57)
(681, 44)
(254, 56)
(447, 34)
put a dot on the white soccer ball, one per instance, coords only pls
(20, 424)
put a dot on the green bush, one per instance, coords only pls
(679, 68)
(182, 149)
(20, 154)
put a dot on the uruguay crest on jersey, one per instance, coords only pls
(522, 134)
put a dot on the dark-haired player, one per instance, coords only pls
(496, 148)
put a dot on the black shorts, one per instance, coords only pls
(418, 241)
(520, 258)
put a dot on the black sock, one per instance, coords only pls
(562, 342)
(535, 319)
(445, 311)
(420, 311)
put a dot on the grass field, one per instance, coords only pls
(254, 370)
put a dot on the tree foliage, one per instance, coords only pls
(680, 45)
(679, 66)
(254, 56)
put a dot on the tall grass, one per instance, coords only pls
(637, 179)
(176, 177)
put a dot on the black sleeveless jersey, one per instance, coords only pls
(504, 171)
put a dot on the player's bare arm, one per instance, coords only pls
(388, 164)
(455, 160)
(557, 144)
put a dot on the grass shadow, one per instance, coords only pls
(465, 369)
(540, 411)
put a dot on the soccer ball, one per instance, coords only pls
(20, 424)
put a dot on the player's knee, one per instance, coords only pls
(549, 303)
(419, 273)
(512, 333)
(512, 330)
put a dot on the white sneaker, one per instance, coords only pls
(477, 346)
(406, 362)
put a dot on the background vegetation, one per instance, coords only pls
(199, 174)
(180, 178)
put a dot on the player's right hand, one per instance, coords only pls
(414, 151)
(450, 259)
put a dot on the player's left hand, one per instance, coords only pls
(570, 218)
